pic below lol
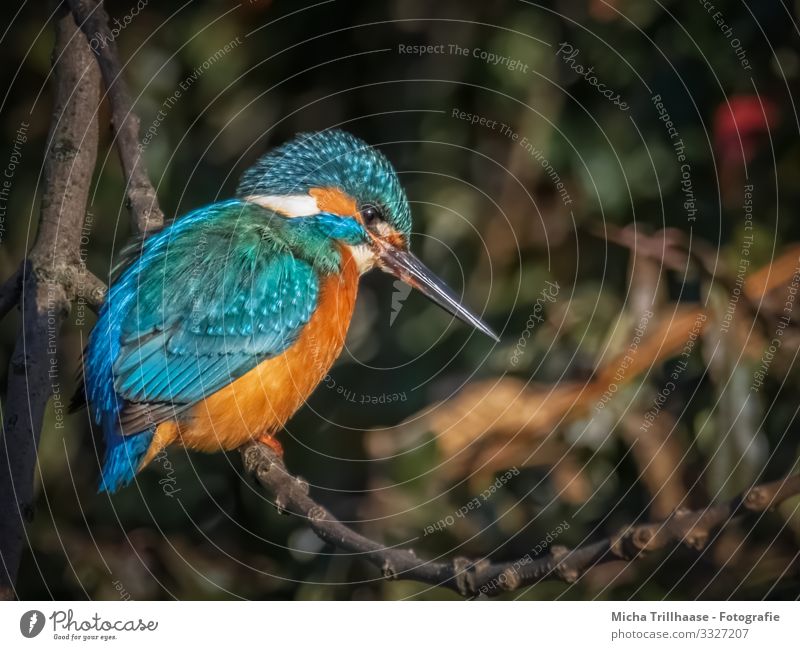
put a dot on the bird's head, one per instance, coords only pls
(336, 173)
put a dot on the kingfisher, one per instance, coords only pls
(219, 326)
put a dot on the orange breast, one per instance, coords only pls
(260, 402)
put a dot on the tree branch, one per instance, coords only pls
(674, 250)
(78, 283)
(44, 300)
(471, 577)
(142, 200)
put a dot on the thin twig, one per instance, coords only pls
(673, 249)
(92, 18)
(471, 577)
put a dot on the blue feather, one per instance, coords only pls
(208, 298)
(122, 460)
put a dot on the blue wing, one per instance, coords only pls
(208, 298)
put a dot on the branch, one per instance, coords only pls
(78, 283)
(142, 200)
(472, 578)
(44, 301)
(674, 250)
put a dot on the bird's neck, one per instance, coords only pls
(313, 203)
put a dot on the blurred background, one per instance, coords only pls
(613, 184)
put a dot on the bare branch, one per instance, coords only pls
(91, 289)
(472, 578)
(44, 302)
(143, 202)
(673, 249)
(78, 283)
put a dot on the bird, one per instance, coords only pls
(218, 327)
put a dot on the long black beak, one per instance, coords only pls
(406, 266)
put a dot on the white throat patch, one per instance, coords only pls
(296, 205)
(364, 257)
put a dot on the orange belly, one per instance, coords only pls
(260, 402)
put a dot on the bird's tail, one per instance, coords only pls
(124, 455)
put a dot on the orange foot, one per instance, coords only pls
(272, 443)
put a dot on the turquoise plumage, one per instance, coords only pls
(331, 159)
(205, 300)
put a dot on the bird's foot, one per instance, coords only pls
(272, 443)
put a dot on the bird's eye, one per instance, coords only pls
(370, 214)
